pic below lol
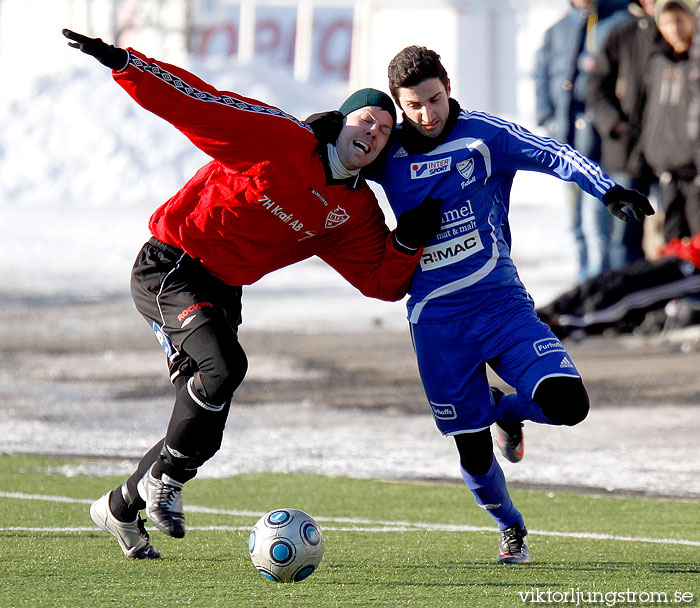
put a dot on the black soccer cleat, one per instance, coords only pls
(510, 441)
(513, 548)
(509, 435)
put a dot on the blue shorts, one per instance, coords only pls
(452, 358)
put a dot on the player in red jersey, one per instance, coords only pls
(271, 196)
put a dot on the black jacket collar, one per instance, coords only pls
(415, 143)
(661, 47)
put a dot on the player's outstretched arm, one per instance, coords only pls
(108, 55)
(233, 129)
(617, 199)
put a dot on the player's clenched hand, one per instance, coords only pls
(108, 55)
(416, 227)
(617, 199)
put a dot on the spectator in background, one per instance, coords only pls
(564, 62)
(694, 92)
(666, 143)
(616, 96)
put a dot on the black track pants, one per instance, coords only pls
(195, 318)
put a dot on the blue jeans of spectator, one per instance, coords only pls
(591, 225)
(626, 238)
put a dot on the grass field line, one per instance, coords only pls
(206, 529)
(353, 524)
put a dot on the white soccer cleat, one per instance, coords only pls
(131, 536)
(163, 503)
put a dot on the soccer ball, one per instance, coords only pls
(286, 545)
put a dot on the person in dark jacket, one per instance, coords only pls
(667, 144)
(616, 96)
(566, 58)
(694, 91)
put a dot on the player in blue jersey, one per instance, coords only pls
(467, 306)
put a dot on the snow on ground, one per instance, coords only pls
(603, 453)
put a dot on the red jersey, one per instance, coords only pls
(265, 201)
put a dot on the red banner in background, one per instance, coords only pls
(332, 43)
(217, 32)
(275, 33)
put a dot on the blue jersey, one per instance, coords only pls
(468, 262)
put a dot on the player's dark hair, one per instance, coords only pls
(412, 66)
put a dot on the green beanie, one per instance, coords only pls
(368, 97)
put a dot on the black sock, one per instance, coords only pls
(121, 509)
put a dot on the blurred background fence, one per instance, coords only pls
(487, 45)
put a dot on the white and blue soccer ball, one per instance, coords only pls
(286, 545)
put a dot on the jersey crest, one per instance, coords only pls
(466, 168)
(337, 217)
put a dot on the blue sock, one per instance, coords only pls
(516, 408)
(491, 494)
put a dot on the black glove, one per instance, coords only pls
(326, 125)
(417, 226)
(617, 198)
(108, 55)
